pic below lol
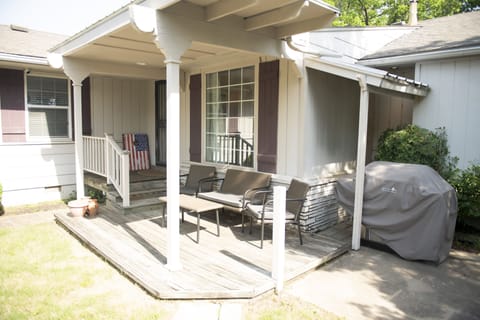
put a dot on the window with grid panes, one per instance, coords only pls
(230, 100)
(48, 106)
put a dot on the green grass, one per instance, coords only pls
(47, 274)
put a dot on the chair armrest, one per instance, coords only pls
(254, 193)
(207, 180)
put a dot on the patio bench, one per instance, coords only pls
(236, 188)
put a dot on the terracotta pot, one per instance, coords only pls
(92, 208)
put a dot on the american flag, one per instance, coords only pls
(137, 144)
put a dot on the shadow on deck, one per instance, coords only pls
(229, 266)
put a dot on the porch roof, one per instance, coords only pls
(377, 80)
(217, 29)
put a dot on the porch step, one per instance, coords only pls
(136, 206)
(143, 197)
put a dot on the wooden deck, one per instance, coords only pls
(229, 266)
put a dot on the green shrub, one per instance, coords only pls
(467, 185)
(413, 144)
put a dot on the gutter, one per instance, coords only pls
(23, 59)
(422, 56)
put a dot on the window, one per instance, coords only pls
(48, 106)
(230, 100)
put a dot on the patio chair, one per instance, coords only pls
(195, 175)
(295, 198)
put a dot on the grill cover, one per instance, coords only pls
(410, 207)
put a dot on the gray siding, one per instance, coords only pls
(453, 103)
(330, 124)
(121, 105)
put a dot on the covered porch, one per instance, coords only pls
(229, 266)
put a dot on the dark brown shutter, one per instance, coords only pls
(268, 85)
(12, 102)
(196, 118)
(86, 109)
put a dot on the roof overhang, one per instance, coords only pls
(377, 80)
(414, 57)
(217, 29)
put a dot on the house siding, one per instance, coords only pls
(453, 103)
(36, 172)
(330, 124)
(122, 105)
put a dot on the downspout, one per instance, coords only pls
(361, 153)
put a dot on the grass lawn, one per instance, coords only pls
(45, 273)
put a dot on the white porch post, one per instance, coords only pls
(360, 172)
(173, 163)
(278, 263)
(77, 101)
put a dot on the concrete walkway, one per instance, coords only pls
(371, 284)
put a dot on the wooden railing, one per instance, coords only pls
(94, 155)
(103, 156)
(118, 166)
(235, 150)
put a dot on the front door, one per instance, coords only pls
(161, 122)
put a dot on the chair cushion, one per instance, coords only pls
(231, 200)
(256, 212)
(239, 181)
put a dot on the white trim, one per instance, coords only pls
(419, 57)
(374, 77)
(225, 67)
(23, 59)
(46, 139)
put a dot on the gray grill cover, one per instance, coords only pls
(410, 207)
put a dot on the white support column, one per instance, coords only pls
(278, 237)
(360, 172)
(77, 102)
(173, 164)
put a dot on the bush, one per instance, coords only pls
(413, 144)
(467, 185)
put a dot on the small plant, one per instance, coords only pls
(413, 144)
(96, 194)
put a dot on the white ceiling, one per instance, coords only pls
(125, 45)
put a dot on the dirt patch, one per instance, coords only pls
(36, 207)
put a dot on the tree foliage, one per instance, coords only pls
(386, 12)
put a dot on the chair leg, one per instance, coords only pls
(300, 234)
(243, 221)
(261, 236)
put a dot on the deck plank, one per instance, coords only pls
(229, 266)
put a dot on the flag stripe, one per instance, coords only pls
(137, 145)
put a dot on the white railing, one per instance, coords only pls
(103, 156)
(117, 168)
(94, 155)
